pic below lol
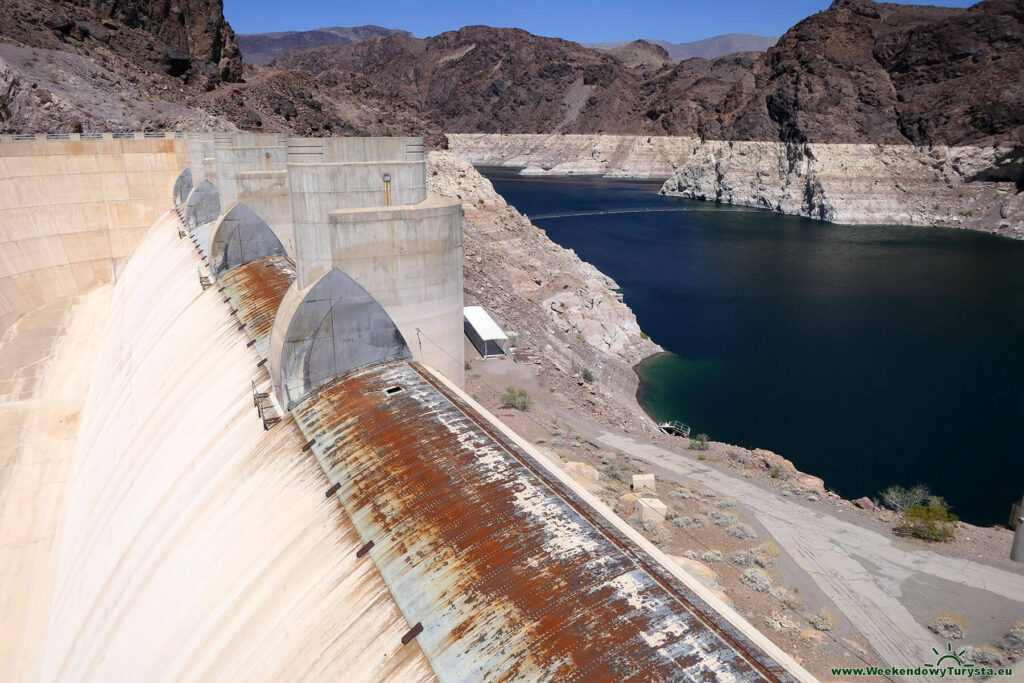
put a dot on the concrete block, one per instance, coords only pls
(643, 482)
(649, 509)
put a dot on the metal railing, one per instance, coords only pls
(675, 428)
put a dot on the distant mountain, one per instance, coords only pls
(709, 48)
(641, 53)
(258, 48)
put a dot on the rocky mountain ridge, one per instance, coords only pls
(707, 48)
(258, 48)
(858, 72)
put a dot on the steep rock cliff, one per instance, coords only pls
(613, 155)
(964, 187)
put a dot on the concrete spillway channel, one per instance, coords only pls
(196, 544)
(507, 571)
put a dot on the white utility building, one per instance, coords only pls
(485, 334)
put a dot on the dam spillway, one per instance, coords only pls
(192, 542)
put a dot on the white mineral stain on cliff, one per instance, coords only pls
(962, 187)
(637, 156)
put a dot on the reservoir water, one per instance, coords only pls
(867, 355)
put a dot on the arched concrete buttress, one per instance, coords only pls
(241, 236)
(327, 330)
(203, 205)
(182, 187)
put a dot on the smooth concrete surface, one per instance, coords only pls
(46, 362)
(354, 150)
(191, 544)
(238, 237)
(326, 330)
(410, 259)
(71, 211)
(199, 152)
(182, 187)
(237, 153)
(203, 205)
(318, 188)
(266, 193)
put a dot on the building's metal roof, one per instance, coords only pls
(255, 290)
(512, 576)
(483, 323)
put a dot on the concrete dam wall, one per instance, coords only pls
(71, 211)
(197, 545)
(260, 477)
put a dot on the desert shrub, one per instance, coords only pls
(984, 655)
(583, 372)
(1013, 642)
(949, 626)
(760, 556)
(699, 442)
(756, 579)
(741, 531)
(651, 526)
(516, 398)
(930, 521)
(690, 555)
(612, 472)
(788, 598)
(721, 518)
(686, 522)
(712, 556)
(898, 498)
(778, 472)
(726, 503)
(743, 558)
(766, 553)
(823, 621)
(682, 493)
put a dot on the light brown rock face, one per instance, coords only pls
(577, 299)
(961, 187)
(558, 306)
(636, 156)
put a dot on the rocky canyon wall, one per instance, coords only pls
(637, 156)
(973, 187)
(969, 187)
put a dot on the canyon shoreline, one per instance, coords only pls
(966, 187)
(569, 317)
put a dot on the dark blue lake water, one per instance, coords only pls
(867, 355)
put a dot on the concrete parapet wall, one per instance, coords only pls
(231, 161)
(266, 193)
(354, 150)
(410, 259)
(71, 211)
(318, 188)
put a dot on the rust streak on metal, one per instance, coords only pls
(510, 577)
(587, 514)
(256, 289)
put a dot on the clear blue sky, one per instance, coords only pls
(584, 21)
